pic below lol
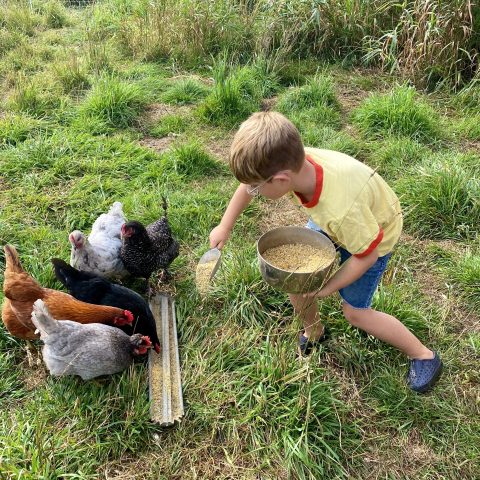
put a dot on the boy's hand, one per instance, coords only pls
(322, 293)
(218, 236)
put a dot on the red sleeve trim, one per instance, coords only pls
(318, 185)
(372, 246)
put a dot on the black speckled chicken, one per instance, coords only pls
(148, 249)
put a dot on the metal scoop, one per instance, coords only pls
(212, 256)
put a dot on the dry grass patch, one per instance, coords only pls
(399, 456)
(159, 145)
(281, 213)
(156, 111)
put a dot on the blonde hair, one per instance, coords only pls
(265, 144)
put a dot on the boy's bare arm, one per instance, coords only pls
(350, 271)
(239, 201)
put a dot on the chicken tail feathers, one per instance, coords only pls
(164, 205)
(12, 262)
(63, 271)
(42, 319)
(116, 209)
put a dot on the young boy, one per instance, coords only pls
(350, 203)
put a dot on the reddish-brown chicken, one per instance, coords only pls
(21, 291)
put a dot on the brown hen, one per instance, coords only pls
(21, 291)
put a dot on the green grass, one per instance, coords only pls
(113, 102)
(394, 155)
(237, 93)
(442, 197)
(15, 128)
(468, 127)
(318, 90)
(74, 111)
(170, 124)
(400, 112)
(185, 91)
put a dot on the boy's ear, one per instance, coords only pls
(284, 175)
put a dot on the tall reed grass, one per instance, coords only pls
(430, 41)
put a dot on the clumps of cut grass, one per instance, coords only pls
(319, 90)
(396, 154)
(15, 128)
(192, 161)
(170, 124)
(185, 91)
(442, 198)
(400, 112)
(113, 103)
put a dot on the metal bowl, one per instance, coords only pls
(290, 281)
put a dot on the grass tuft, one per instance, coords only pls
(190, 160)
(113, 103)
(170, 124)
(15, 128)
(394, 155)
(399, 112)
(237, 93)
(442, 198)
(185, 91)
(318, 90)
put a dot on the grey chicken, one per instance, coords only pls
(88, 350)
(100, 252)
(148, 249)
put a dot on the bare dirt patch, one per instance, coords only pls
(219, 147)
(405, 454)
(35, 376)
(157, 144)
(155, 111)
(201, 462)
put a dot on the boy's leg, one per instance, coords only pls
(307, 311)
(389, 329)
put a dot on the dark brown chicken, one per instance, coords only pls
(21, 291)
(146, 250)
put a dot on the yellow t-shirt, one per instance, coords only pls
(352, 204)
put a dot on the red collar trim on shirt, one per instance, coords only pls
(318, 185)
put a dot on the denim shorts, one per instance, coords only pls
(359, 294)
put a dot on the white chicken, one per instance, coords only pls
(100, 252)
(88, 350)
